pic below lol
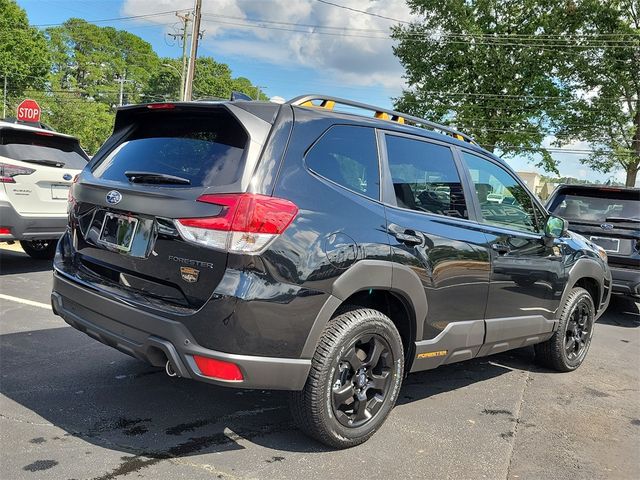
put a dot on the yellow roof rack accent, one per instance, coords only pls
(328, 104)
(380, 113)
(386, 116)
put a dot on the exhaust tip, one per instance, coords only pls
(170, 370)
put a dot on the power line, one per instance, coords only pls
(371, 14)
(116, 19)
(550, 36)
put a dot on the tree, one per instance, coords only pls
(212, 80)
(164, 82)
(24, 59)
(514, 73)
(67, 112)
(94, 61)
(467, 64)
(604, 81)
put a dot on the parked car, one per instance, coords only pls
(37, 167)
(495, 198)
(609, 217)
(299, 247)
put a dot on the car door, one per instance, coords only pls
(526, 269)
(431, 232)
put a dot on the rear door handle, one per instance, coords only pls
(405, 235)
(501, 248)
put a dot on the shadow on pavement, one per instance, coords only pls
(12, 262)
(106, 398)
(623, 311)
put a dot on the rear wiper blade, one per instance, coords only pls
(154, 177)
(48, 163)
(621, 219)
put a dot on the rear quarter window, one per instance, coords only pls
(205, 148)
(348, 156)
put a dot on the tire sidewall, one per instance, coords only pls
(46, 252)
(582, 296)
(379, 325)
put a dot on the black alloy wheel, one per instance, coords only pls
(354, 381)
(568, 346)
(578, 330)
(362, 380)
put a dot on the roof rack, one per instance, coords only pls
(330, 102)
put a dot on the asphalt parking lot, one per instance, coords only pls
(71, 408)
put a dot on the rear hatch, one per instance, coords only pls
(156, 168)
(608, 216)
(37, 168)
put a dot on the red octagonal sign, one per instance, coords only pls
(29, 111)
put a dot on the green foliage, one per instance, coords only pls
(212, 80)
(92, 60)
(608, 116)
(90, 121)
(24, 58)
(459, 73)
(74, 73)
(511, 73)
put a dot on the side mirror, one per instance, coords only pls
(556, 227)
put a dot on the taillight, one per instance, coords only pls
(5, 231)
(211, 367)
(247, 223)
(7, 172)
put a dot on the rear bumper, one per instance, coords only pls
(30, 227)
(626, 281)
(155, 339)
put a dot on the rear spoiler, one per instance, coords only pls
(127, 115)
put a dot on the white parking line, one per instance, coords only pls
(25, 301)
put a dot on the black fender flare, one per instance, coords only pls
(584, 268)
(365, 275)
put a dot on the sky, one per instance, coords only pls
(331, 61)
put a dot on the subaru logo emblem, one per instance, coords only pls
(114, 197)
(67, 176)
(606, 226)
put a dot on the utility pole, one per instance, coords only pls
(259, 89)
(184, 36)
(4, 98)
(122, 79)
(195, 35)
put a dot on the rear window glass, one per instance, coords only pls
(32, 147)
(597, 205)
(206, 149)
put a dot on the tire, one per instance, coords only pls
(567, 348)
(40, 249)
(329, 408)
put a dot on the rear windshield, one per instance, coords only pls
(206, 149)
(35, 147)
(597, 205)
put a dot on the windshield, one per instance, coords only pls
(203, 149)
(28, 146)
(597, 206)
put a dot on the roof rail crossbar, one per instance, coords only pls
(381, 113)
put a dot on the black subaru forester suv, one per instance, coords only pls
(302, 248)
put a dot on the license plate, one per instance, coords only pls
(608, 244)
(59, 192)
(118, 231)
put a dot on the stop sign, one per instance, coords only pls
(29, 111)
